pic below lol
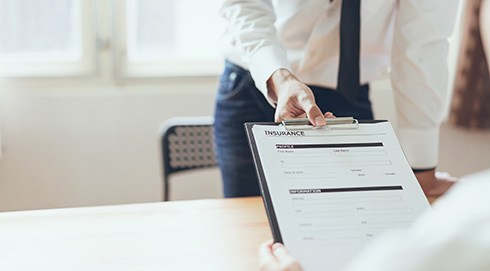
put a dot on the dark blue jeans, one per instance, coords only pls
(239, 101)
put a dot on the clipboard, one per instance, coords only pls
(412, 201)
(291, 125)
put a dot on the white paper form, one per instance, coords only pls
(335, 189)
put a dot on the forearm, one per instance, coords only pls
(251, 25)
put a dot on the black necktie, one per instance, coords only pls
(350, 24)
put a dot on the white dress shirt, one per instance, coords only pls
(453, 236)
(303, 36)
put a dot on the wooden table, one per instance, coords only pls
(220, 234)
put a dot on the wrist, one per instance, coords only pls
(426, 179)
(276, 80)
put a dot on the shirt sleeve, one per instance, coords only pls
(251, 24)
(419, 75)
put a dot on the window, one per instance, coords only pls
(44, 38)
(145, 38)
(171, 37)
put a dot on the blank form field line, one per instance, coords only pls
(385, 200)
(293, 164)
(361, 152)
(383, 212)
(351, 198)
(387, 225)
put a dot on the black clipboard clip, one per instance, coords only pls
(332, 123)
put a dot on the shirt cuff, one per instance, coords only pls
(421, 146)
(264, 62)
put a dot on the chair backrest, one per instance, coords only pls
(187, 144)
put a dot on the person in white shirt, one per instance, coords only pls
(282, 61)
(453, 236)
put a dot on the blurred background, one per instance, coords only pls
(85, 85)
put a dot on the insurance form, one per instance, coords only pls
(329, 191)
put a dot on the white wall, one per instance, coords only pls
(67, 146)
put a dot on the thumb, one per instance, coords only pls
(312, 110)
(285, 259)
